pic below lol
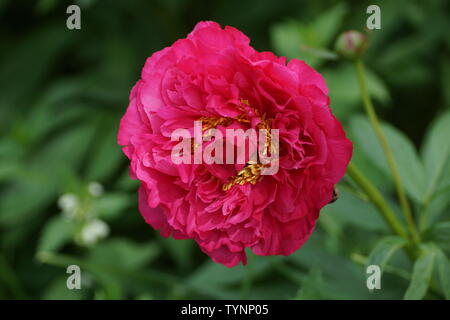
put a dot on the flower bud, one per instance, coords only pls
(93, 231)
(351, 44)
(95, 189)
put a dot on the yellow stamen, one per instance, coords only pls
(211, 122)
(252, 171)
(249, 174)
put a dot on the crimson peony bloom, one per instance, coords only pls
(215, 76)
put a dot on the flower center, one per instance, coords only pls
(251, 173)
(210, 123)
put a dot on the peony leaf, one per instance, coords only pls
(46, 169)
(110, 205)
(408, 163)
(443, 267)
(57, 232)
(126, 254)
(215, 279)
(352, 210)
(308, 42)
(181, 251)
(211, 279)
(440, 232)
(106, 156)
(384, 250)
(24, 199)
(327, 24)
(313, 287)
(421, 274)
(344, 89)
(57, 290)
(445, 81)
(48, 43)
(436, 155)
(373, 173)
(344, 278)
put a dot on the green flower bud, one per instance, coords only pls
(351, 45)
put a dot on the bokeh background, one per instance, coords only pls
(65, 193)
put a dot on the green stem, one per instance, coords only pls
(370, 110)
(377, 199)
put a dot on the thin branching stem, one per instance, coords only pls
(370, 110)
(377, 199)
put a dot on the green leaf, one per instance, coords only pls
(286, 39)
(24, 200)
(436, 154)
(46, 42)
(124, 253)
(107, 156)
(62, 102)
(215, 279)
(332, 225)
(408, 163)
(443, 267)
(440, 232)
(421, 274)
(372, 172)
(437, 209)
(46, 170)
(325, 27)
(342, 276)
(125, 182)
(179, 250)
(8, 170)
(344, 89)
(307, 41)
(110, 268)
(445, 81)
(57, 232)
(312, 287)
(111, 288)
(215, 274)
(352, 210)
(212, 279)
(57, 290)
(65, 151)
(44, 6)
(384, 250)
(111, 205)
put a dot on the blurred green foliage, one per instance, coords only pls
(63, 93)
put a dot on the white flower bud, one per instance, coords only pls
(68, 203)
(93, 231)
(95, 189)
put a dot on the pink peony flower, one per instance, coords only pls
(215, 75)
